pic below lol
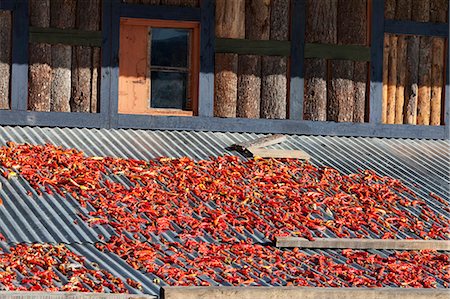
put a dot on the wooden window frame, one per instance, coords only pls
(135, 86)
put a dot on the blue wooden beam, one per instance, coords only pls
(416, 28)
(303, 127)
(376, 62)
(160, 12)
(7, 4)
(207, 48)
(447, 89)
(280, 126)
(298, 25)
(114, 63)
(19, 58)
(107, 68)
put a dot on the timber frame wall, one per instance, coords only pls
(296, 49)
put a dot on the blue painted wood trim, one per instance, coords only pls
(19, 68)
(447, 89)
(279, 126)
(114, 63)
(376, 61)
(416, 28)
(207, 48)
(52, 119)
(105, 86)
(160, 12)
(296, 92)
(7, 4)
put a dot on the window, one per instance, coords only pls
(158, 67)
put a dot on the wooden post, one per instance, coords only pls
(412, 79)
(257, 27)
(412, 61)
(230, 16)
(392, 79)
(39, 60)
(62, 15)
(438, 14)
(274, 68)
(385, 80)
(320, 28)
(83, 97)
(391, 66)
(353, 30)
(347, 87)
(424, 95)
(5, 58)
(403, 12)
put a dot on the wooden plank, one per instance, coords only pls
(73, 37)
(297, 61)
(341, 89)
(279, 153)
(207, 42)
(40, 71)
(342, 243)
(344, 52)
(424, 94)
(5, 58)
(401, 79)
(249, 86)
(62, 16)
(252, 47)
(416, 28)
(257, 27)
(391, 66)
(160, 12)
(282, 48)
(352, 30)
(376, 62)
(438, 14)
(249, 292)
(274, 68)
(392, 79)
(88, 18)
(261, 142)
(320, 28)
(229, 23)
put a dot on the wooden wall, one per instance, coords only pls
(5, 58)
(336, 90)
(251, 86)
(64, 78)
(413, 75)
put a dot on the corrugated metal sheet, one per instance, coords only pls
(423, 165)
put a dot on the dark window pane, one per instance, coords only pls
(169, 47)
(168, 90)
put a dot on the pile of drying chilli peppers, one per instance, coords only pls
(222, 214)
(46, 267)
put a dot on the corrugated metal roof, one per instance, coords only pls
(423, 165)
